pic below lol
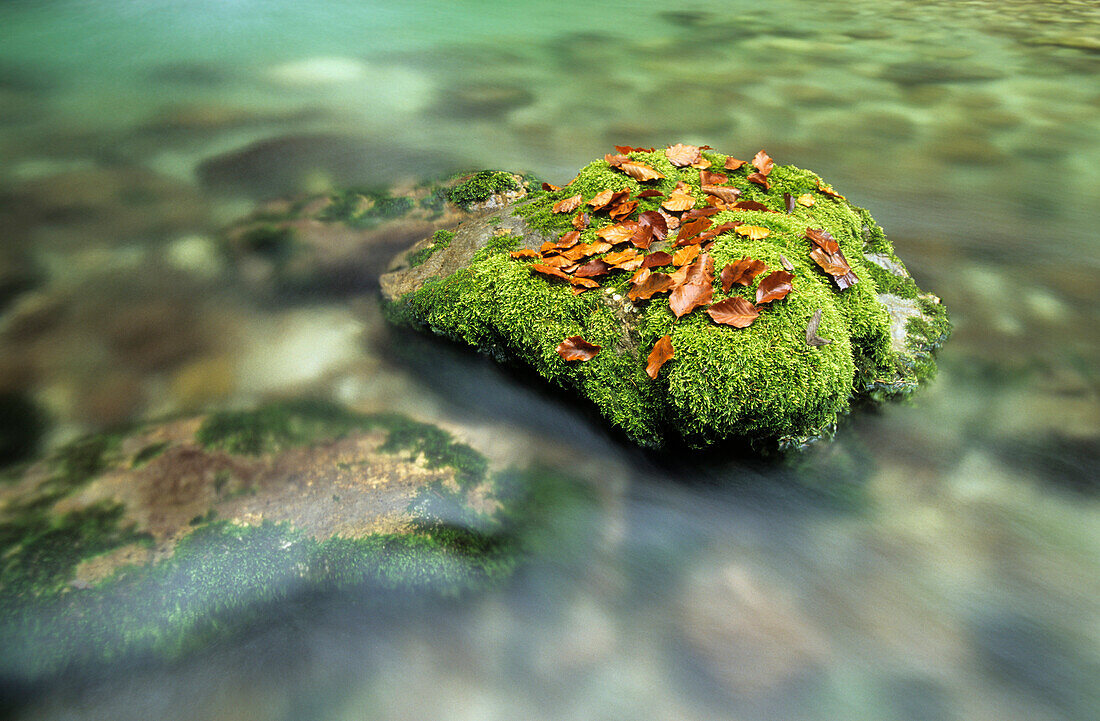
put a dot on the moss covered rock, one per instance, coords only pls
(765, 383)
(153, 539)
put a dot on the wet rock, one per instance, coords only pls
(280, 166)
(155, 535)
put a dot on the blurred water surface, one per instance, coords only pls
(937, 560)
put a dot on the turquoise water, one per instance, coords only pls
(938, 560)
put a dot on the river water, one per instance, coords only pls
(940, 559)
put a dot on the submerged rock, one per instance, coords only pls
(771, 381)
(143, 539)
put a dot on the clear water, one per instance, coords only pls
(939, 560)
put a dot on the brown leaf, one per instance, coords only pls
(786, 263)
(763, 163)
(656, 221)
(697, 213)
(681, 155)
(752, 205)
(593, 269)
(661, 354)
(608, 198)
(551, 187)
(568, 205)
(697, 288)
(649, 286)
(622, 209)
(812, 338)
(619, 232)
(828, 191)
(650, 193)
(832, 263)
(774, 287)
(788, 200)
(806, 200)
(547, 270)
(616, 160)
(671, 221)
(628, 149)
(580, 221)
(575, 290)
(701, 163)
(621, 256)
(640, 171)
(654, 260)
(679, 277)
(846, 281)
(708, 178)
(822, 239)
(678, 200)
(567, 240)
(575, 348)
(556, 261)
(642, 237)
(727, 195)
(735, 311)
(760, 179)
(685, 255)
(743, 272)
(689, 231)
(584, 282)
(524, 253)
(753, 232)
(717, 230)
(733, 163)
(586, 249)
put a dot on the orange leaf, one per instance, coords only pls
(828, 191)
(618, 233)
(831, 263)
(806, 199)
(763, 163)
(685, 255)
(608, 197)
(547, 270)
(671, 221)
(616, 160)
(689, 231)
(728, 195)
(654, 260)
(760, 179)
(743, 272)
(650, 285)
(697, 213)
(580, 221)
(661, 354)
(733, 163)
(717, 230)
(628, 149)
(708, 178)
(575, 348)
(640, 171)
(753, 232)
(621, 256)
(655, 220)
(774, 287)
(681, 155)
(568, 205)
(550, 186)
(701, 163)
(643, 237)
(822, 239)
(735, 311)
(622, 209)
(556, 261)
(524, 253)
(677, 201)
(593, 269)
(697, 288)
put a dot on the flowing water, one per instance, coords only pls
(940, 559)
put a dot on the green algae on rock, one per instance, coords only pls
(153, 538)
(763, 384)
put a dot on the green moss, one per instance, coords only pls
(760, 382)
(478, 186)
(440, 240)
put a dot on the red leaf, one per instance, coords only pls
(831, 263)
(822, 239)
(698, 213)
(743, 272)
(622, 209)
(733, 163)
(760, 179)
(828, 191)
(628, 149)
(735, 311)
(661, 354)
(575, 348)
(751, 205)
(763, 163)
(681, 155)
(656, 221)
(547, 270)
(654, 260)
(650, 285)
(775, 287)
(568, 205)
(696, 290)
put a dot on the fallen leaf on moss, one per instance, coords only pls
(774, 287)
(697, 213)
(616, 160)
(593, 269)
(846, 281)
(556, 261)
(650, 284)
(622, 209)
(580, 221)
(654, 260)
(727, 195)
(760, 179)
(640, 171)
(832, 263)
(575, 348)
(753, 232)
(524, 253)
(743, 272)
(788, 200)
(550, 271)
(619, 232)
(650, 193)
(608, 198)
(678, 200)
(717, 230)
(735, 311)
(682, 155)
(763, 163)
(642, 237)
(787, 265)
(812, 338)
(628, 149)
(822, 188)
(697, 288)
(806, 199)
(584, 283)
(752, 205)
(685, 255)
(661, 354)
(568, 205)
(733, 163)
(671, 221)
(621, 256)
(706, 177)
(550, 186)
(822, 239)
(690, 230)
(656, 221)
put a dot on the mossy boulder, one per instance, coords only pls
(340, 242)
(155, 538)
(764, 384)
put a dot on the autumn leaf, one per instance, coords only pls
(753, 232)
(682, 155)
(580, 221)
(592, 269)
(650, 193)
(822, 239)
(619, 232)
(608, 198)
(671, 221)
(640, 171)
(551, 187)
(760, 179)
(812, 338)
(642, 237)
(822, 188)
(621, 256)
(846, 281)
(751, 205)
(584, 283)
(788, 200)
(689, 231)
(774, 287)
(654, 260)
(701, 163)
(697, 213)
(661, 354)
(806, 200)
(735, 311)
(717, 230)
(628, 149)
(831, 263)
(575, 348)
(616, 160)
(697, 288)
(556, 261)
(622, 209)
(586, 249)
(649, 285)
(786, 263)
(524, 253)
(727, 195)
(547, 270)
(685, 255)
(763, 163)
(655, 220)
(708, 178)
(677, 201)
(733, 163)
(743, 272)
(568, 205)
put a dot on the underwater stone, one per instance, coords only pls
(761, 384)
